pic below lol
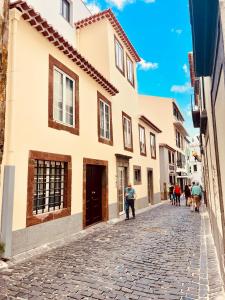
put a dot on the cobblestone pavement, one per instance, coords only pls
(162, 254)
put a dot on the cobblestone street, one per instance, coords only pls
(162, 254)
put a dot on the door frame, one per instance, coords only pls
(150, 170)
(125, 184)
(105, 202)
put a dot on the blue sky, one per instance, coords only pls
(160, 32)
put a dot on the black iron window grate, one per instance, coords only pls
(49, 186)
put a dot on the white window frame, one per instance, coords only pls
(105, 104)
(142, 140)
(119, 54)
(153, 138)
(70, 10)
(130, 70)
(64, 98)
(127, 132)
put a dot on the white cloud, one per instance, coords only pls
(147, 65)
(93, 6)
(149, 1)
(185, 88)
(185, 68)
(177, 31)
(120, 3)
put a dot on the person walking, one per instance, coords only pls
(177, 191)
(171, 194)
(130, 195)
(187, 193)
(196, 193)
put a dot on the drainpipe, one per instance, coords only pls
(9, 147)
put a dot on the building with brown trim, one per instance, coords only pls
(208, 108)
(74, 133)
(164, 112)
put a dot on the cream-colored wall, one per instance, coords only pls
(96, 42)
(92, 43)
(211, 155)
(30, 120)
(160, 112)
(27, 121)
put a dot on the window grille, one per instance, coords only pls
(49, 186)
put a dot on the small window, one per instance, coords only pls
(137, 175)
(127, 132)
(119, 54)
(169, 157)
(64, 90)
(104, 120)
(153, 145)
(142, 140)
(65, 9)
(130, 71)
(195, 168)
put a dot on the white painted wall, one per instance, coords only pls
(50, 10)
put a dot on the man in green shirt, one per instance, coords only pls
(196, 193)
(130, 196)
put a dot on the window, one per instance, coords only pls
(153, 145)
(49, 187)
(127, 132)
(142, 140)
(130, 71)
(65, 9)
(178, 139)
(64, 89)
(119, 54)
(104, 120)
(63, 97)
(195, 168)
(173, 158)
(137, 175)
(49, 179)
(169, 157)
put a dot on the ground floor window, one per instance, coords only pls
(49, 187)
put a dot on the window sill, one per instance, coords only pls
(143, 154)
(128, 149)
(60, 126)
(105, 141)
(49, 216)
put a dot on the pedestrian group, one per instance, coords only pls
(192, 194)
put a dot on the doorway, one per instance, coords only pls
(150, 186)
(95, 202)
(122, 182)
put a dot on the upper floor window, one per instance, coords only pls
(142, 140)
(66, 9)
(178, 139)
(130, 70)
(119, 55)
(64, 90)
(104, 120)
(63, 97)
(127, 132)
(153, 145)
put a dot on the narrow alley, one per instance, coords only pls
(167, 252)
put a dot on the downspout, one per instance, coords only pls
(9, 149)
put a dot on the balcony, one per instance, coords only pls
(203, 122)
(196, 116)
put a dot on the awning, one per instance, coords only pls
(204, 14)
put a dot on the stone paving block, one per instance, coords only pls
(167, 253)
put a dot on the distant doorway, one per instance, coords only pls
(121, 184)
(95, 202)
(150, 186)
